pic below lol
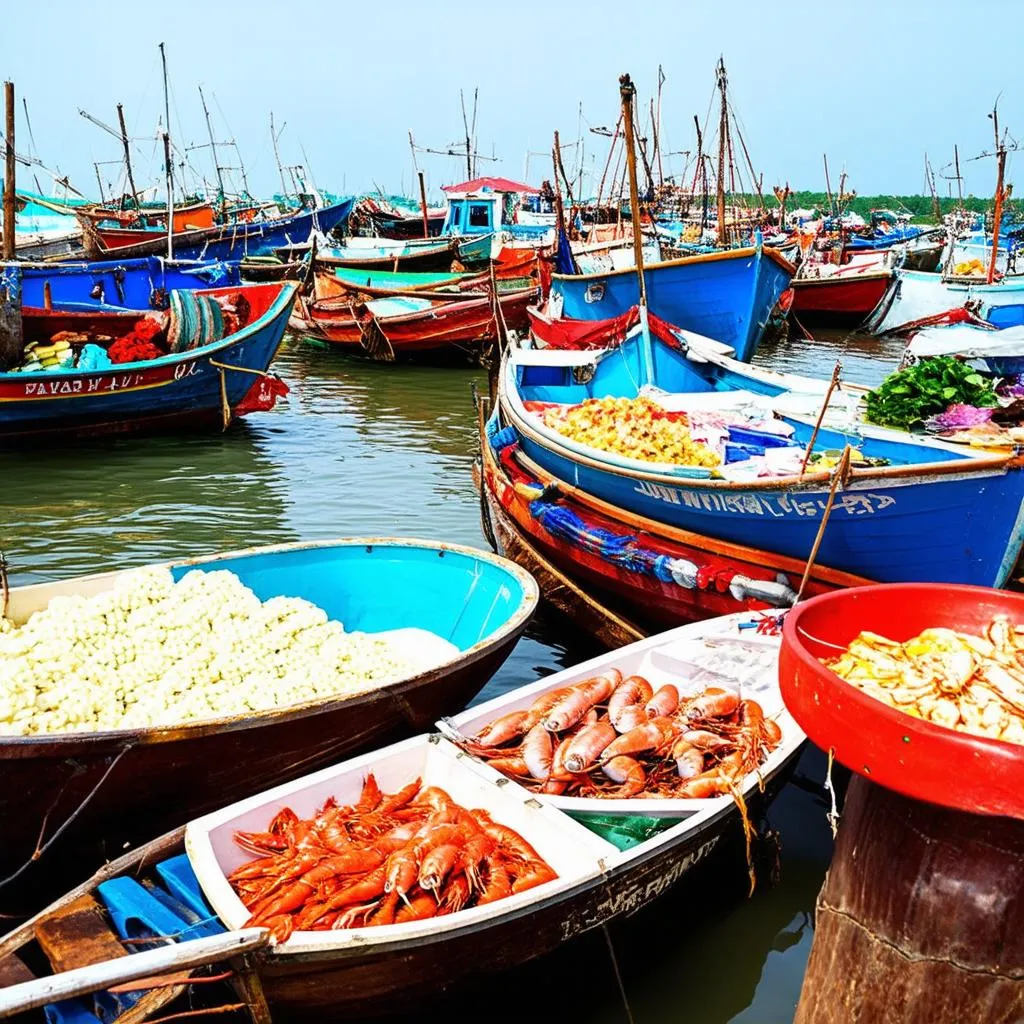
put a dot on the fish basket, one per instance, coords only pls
(909, 755)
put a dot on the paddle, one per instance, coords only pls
(96, 977)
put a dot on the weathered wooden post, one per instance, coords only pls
(921, 918)
(10, 284)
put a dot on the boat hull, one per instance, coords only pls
(398, 976)
(185, 389)
(840, 298)
(727, 296)
(953, 528)
(147, 782)
(127, 284)
(235, 241)
(628, 567)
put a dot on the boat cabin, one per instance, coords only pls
(495, 205)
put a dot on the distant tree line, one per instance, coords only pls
(919, 207)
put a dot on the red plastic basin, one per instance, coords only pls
(916, 758)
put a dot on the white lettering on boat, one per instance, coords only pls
(56, 388)
(630, 899)
(771, 506)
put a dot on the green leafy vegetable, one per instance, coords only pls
(908, 397)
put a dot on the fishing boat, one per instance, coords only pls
(237, 239)
(902, 514)
(402, 326)
(423, 254)
(650, 575)
(847, 292)
(727, 295)
(126, 785)
(206, 378)
(140, 283)
(107, 228)
(913, 295)
(603, 870)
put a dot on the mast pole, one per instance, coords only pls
(469, 150)
(277, 157)
(627, 93)
(127, 155)
(723, 127)
(423, 205)
(99, 181)
(959, 180)
(10, 173)
(828, 186)
(1001, 195)
(167, 160)
(216, 162)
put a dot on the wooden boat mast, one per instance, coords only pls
(277, 156)
(10, 173)
(216, 162)
(929, 177)
(167, 160)
(127, 156)
(723, 132)
(423, 204)
(1002, 194)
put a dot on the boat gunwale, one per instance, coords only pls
(24, 747)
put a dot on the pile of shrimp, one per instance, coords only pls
(387, 859)
(614, 737)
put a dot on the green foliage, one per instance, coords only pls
(908, 397)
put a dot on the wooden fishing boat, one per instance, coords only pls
(650, 575)
(902, 520)
(726, 295)
(914, 295)
(122, 786)
(108, 229)
(238, 239)
(140, 283)
(840, 293)
(206, 380)
(413, 326)
(431, 254)
(603, 871)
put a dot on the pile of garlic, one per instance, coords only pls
(152, 652)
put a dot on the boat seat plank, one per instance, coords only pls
(13, 971)
(78, 935)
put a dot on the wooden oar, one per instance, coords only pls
(97, 977)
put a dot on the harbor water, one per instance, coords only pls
(362, 449)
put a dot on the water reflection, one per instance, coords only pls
(865, 358)
(127, 501)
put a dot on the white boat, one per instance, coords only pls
(329, 975)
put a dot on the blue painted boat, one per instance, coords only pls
(935, 513)
(140, 283)
(473, 605)
(238, 240)
(195, 387)
(728, 295)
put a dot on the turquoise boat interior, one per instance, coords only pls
(463, 596)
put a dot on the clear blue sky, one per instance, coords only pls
(873, 84)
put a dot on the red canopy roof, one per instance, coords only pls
(494, 184)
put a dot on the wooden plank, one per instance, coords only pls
(13, 971)
(98, 976)
(78, 935)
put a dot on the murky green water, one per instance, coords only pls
(364, 449)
